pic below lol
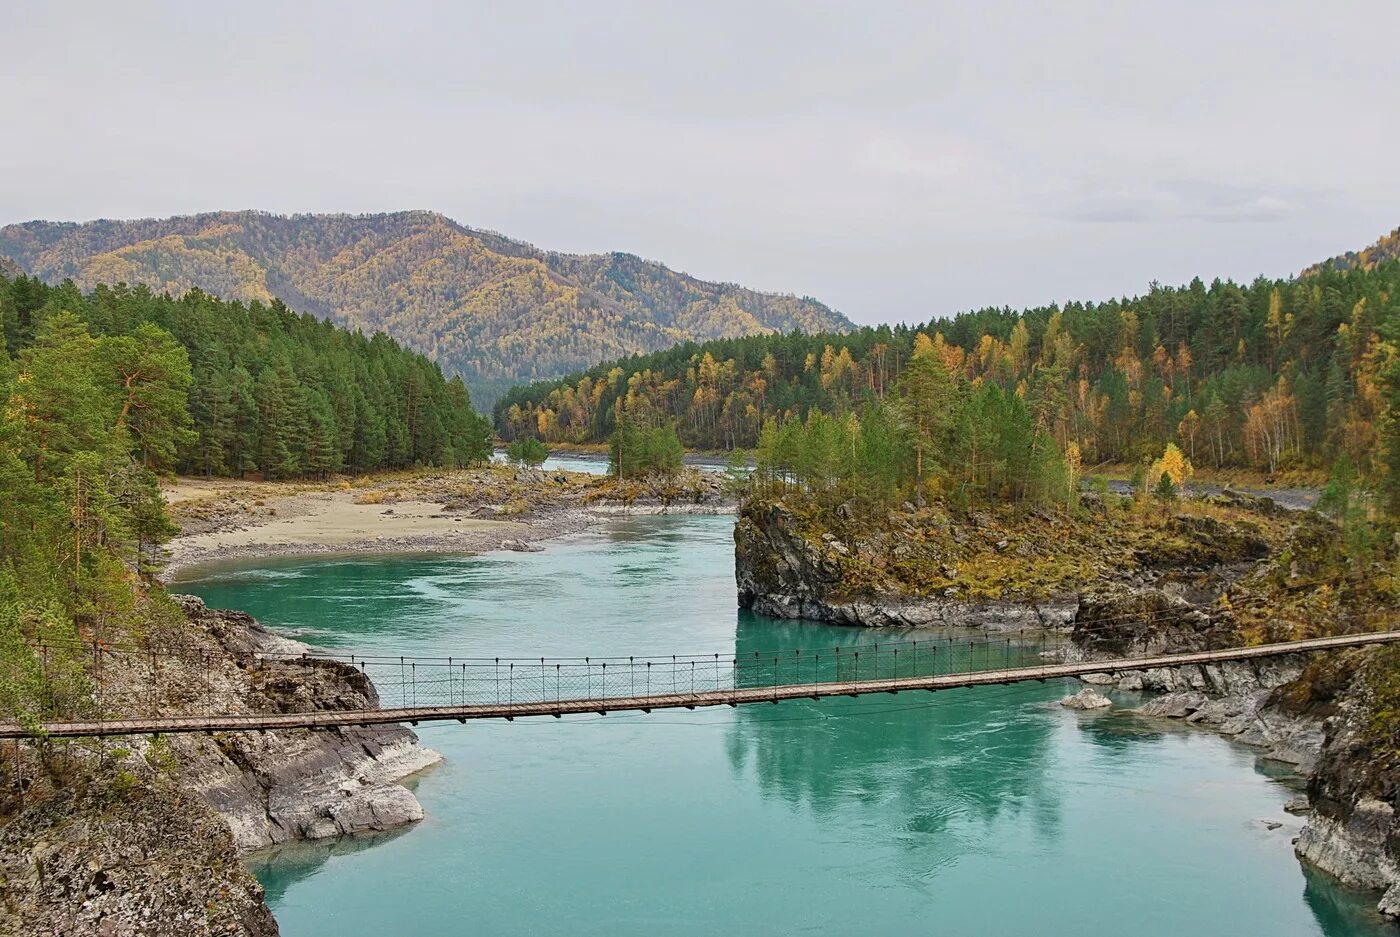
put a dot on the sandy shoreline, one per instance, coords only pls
(225, 519)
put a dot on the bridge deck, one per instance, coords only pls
(326, 719)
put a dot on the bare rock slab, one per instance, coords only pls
(1087, 699)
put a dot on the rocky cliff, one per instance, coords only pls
(1354, 829)
(1247, 700)
(785, 574)
(279, 786)
(143, 836)
(921, 567)
(114, 857)
(1330, 716)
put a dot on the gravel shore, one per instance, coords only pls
(471, 511)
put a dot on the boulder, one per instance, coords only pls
(1177, 705)
(1086, 699)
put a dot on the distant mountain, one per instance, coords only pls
(1387, 248)
(9, 269)
(496, 310)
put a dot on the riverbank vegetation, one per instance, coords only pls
(102, 392)
(635, 450)
(527, 451)
(84, 421)
(1269, 376)
(267, 391)
(959, 488)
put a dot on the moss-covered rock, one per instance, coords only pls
(796, 556)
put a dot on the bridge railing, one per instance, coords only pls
(417, 682)
(189, 676)
(125, 682)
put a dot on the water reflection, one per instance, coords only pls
(892, 814)
(1341, 910)
(281, 867)
(1120, 732)
(920, 767)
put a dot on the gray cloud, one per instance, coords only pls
(896, 160)
(1179, 200)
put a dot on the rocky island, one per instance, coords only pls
(1121, 579)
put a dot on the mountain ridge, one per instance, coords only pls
(495, 309)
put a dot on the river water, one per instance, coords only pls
(976, 811)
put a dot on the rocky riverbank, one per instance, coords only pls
(1234, 571)
(1354, 789)
(1249, 701)
(144, 836)
(138, 858)
(297, 784)
(922, 567)
(1331, 717)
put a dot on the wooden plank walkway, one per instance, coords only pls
(328, 719)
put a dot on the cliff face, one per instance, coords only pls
(279, 786)
(1241, 699)
(136, 836)
(1354, 830)
(143, 859)
(782, 572)
(922, 568)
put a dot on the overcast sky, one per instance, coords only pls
(896, 161)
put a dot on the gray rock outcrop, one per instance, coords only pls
(782, 575)
(1353, 831)
(148, 859)
(1087, 699)
(299, 784)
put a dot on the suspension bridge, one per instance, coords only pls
(413, 690)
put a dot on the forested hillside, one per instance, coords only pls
(215, 387)
(492, 309)
(1272, 374)
(1385, 249)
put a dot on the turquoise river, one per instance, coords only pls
(980, 811)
